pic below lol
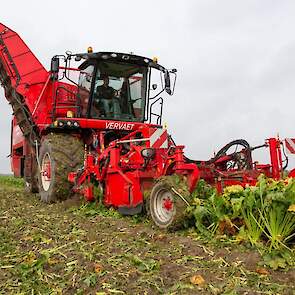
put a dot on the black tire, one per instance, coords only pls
(163, 217)
(64, 154)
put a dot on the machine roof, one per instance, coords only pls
(119, 57)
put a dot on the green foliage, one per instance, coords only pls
(96, 209)
(279, 259)
(261, 214)
(11, 182)
(90, 280)
(147, 265)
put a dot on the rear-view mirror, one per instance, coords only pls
(167, 82)
(54, 65)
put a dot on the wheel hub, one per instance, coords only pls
(167, 204)
(46, 172)
(164, 206)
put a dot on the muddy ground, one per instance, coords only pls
(71, 248)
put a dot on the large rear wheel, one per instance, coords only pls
(59, 154)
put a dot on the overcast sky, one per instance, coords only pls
(235, 60)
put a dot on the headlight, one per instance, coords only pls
(70, 114)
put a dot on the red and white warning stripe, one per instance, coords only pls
(290, 145)
(159, 138)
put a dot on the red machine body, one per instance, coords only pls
(119, 133)
(50, 102)
(135, 170)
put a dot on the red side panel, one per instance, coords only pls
(17, 149)
(27, 74)
(27, 69)
(17, 137)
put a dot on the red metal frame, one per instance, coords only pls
(127, 174)
(220, 178)
(124, 172)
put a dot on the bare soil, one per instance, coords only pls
(73, 248)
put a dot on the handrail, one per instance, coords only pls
(41, 94)
(159, 116)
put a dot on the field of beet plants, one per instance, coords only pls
(239, 243)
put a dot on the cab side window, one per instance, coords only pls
(85, 81)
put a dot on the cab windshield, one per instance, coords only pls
(119, 92)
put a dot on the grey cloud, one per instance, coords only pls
(235, 60)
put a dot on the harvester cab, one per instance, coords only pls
(117, 112)
(113, 86)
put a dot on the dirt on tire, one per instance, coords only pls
(66, 155)
(177, 187)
